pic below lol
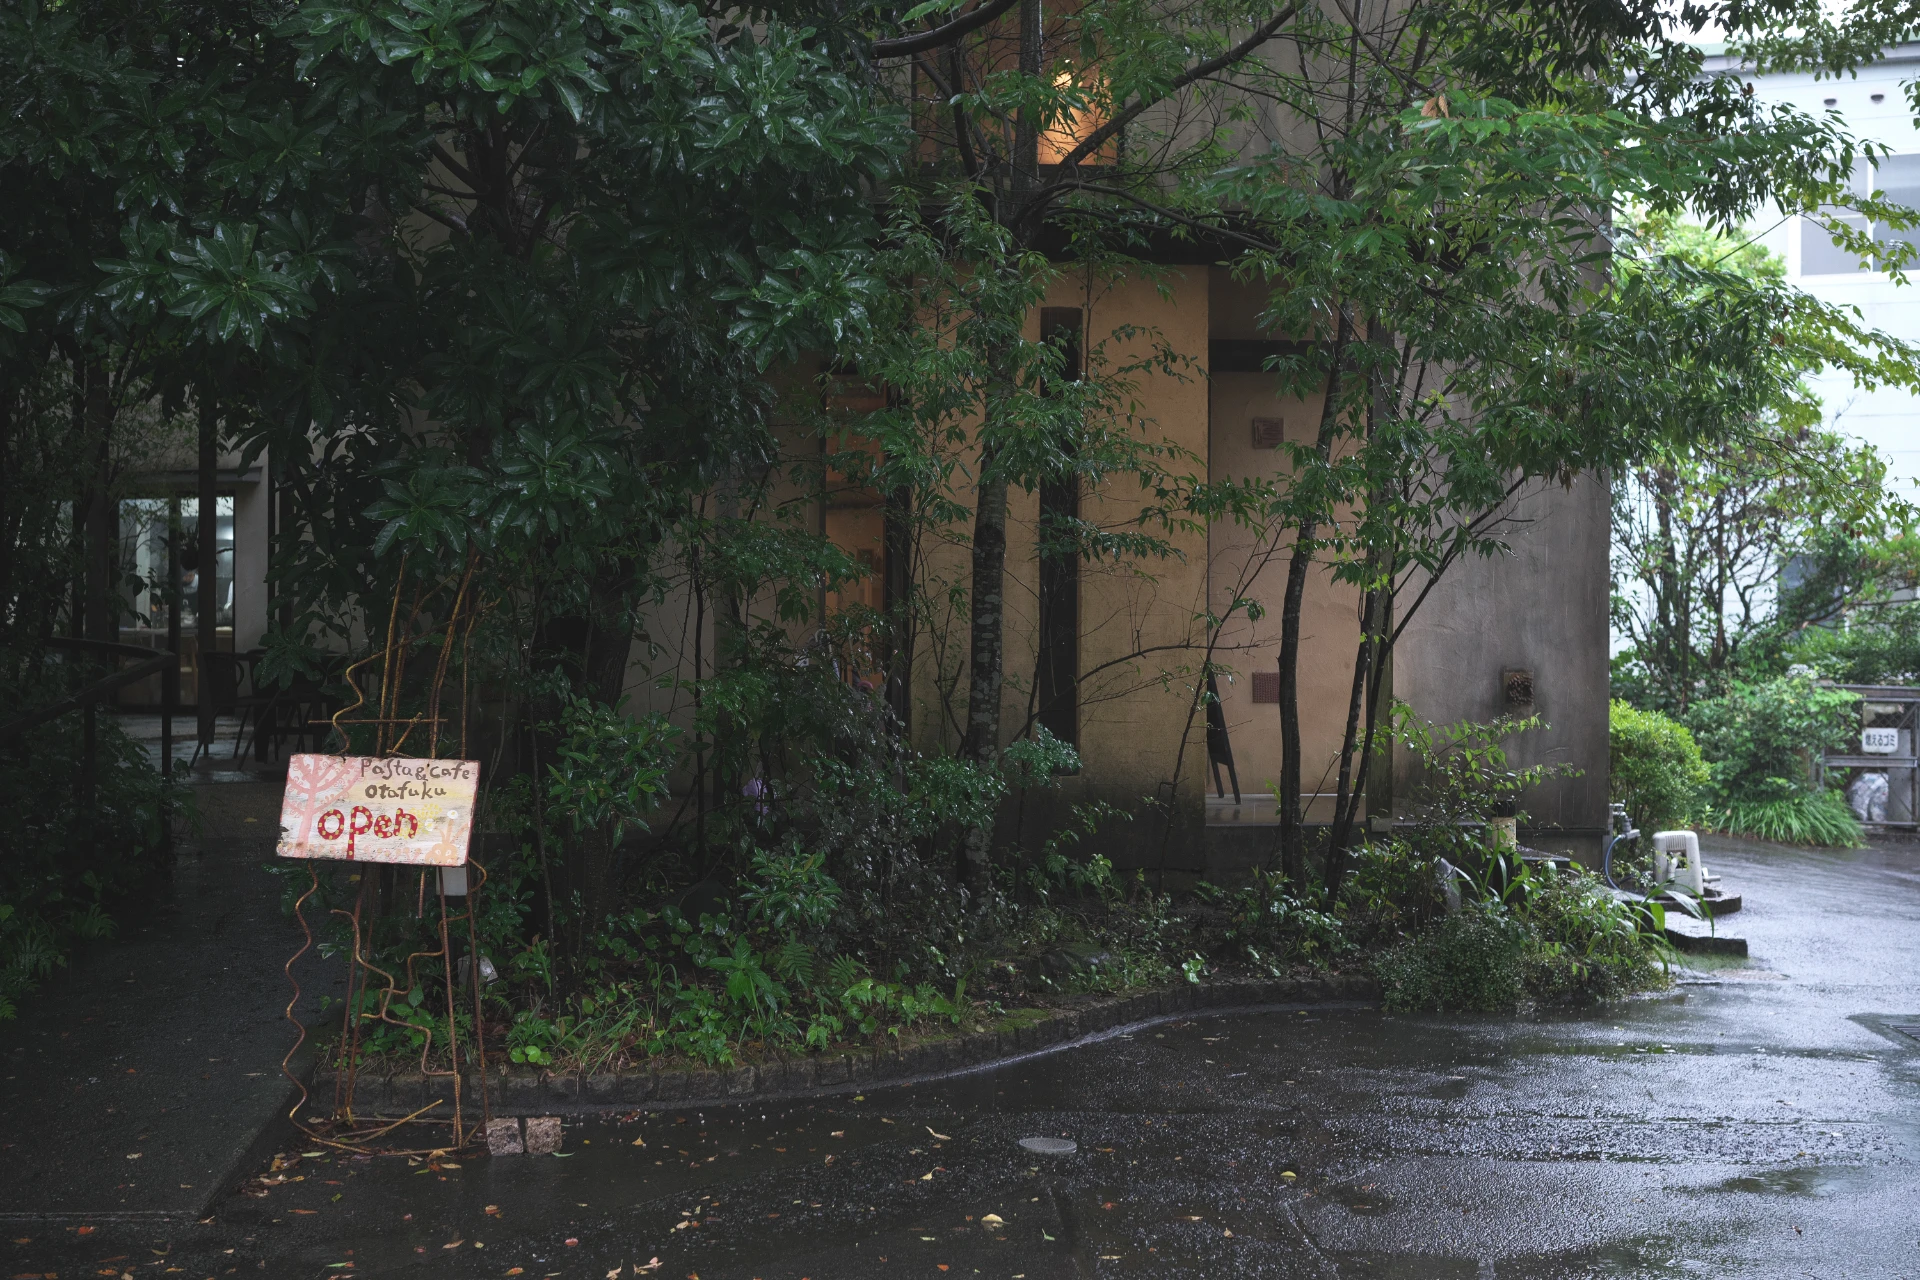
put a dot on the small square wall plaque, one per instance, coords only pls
(1269, 433)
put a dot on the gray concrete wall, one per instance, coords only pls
(1541, 607)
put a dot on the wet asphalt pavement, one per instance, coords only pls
(1758, 1120)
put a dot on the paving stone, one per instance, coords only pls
(542, 1135)
(503, 1137)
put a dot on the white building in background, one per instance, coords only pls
(1873, 106)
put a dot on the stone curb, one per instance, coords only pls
(523, 1091)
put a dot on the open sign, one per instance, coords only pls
(1879, 742)
(378, 809)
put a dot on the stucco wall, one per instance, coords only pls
(1541, 607)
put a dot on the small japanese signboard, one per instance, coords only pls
(378, 809)
(1879, 742)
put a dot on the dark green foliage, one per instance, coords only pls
(1654, 767)
(1874, 646)
(1761, 741)
(64, 869)
(1522, 931)
(1563, 940)
(1470, 961)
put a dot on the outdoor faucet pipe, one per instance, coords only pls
(1606, 859)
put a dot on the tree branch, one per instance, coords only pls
(1199, 71)
(925, 40)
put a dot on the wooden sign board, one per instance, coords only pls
(1269, 433)
(379, 809)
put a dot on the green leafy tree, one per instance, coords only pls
(1721, 543)
(1438, 237)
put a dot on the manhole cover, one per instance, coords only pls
(1050, 1146)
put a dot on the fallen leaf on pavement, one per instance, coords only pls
(653, 1264)
(453, 1244)
(571, 1242)
(993, 1220)
(639, 1142)
(943, 1137)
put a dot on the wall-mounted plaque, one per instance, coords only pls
(1269, 433)
(1879, 742)
(378, 809)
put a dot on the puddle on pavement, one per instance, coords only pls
(1807, 1182)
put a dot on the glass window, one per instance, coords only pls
(1819, 255)
(1898, 179)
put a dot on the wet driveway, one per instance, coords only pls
(1762, 1119)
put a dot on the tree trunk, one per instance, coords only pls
(987, 666)
(1299, 564)
(207, 599)
(101, 590)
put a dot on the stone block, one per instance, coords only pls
(561, 1086)
(503, 1137)
(704, 1083)
(519, 1090)
(741, 1081)
(405, 1091)
(543, 1135)
(601, 1088)
(633, 1085)
(832, 1070)
(669, 1085)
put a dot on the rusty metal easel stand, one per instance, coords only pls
(343, 1130)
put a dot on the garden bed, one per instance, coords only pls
(519, 1090)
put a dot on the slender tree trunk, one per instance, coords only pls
(987, 665)
(101, 580)
(1299, 564)
(207, 601)
(1356, 747)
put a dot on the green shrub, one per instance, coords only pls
(1654, 766)
(1760, 739)
(1816, 818)
(1584, 944)
(61, 870)
(1558, 938)
(1881, 649)
(1469, 962)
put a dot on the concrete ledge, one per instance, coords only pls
(526, 1091)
